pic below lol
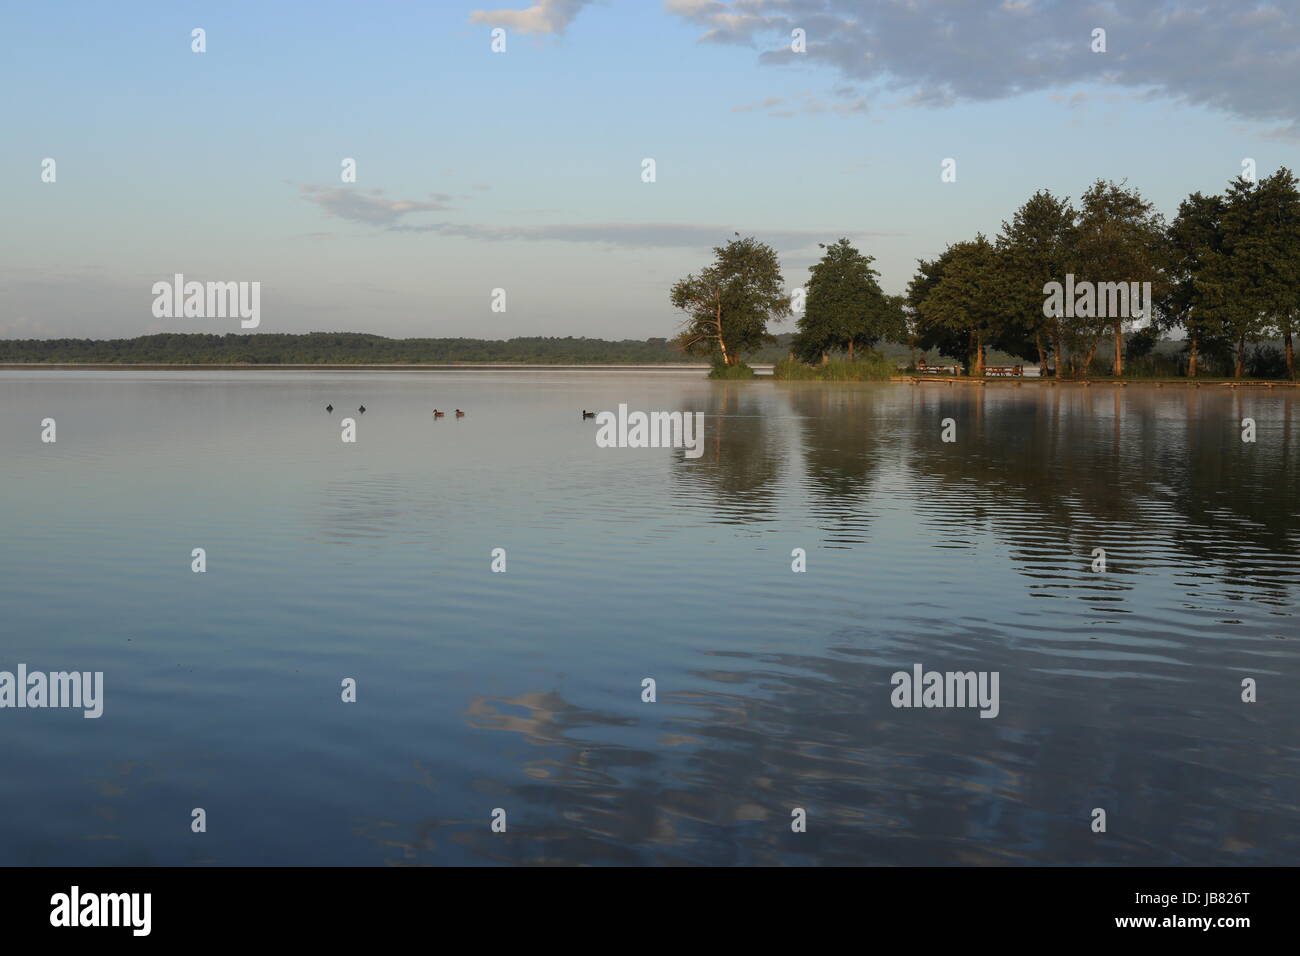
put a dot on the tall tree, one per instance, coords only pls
(964, 296)
(1251, 280)
(1194, 237)
(1037, 247)
(845, 308)
(1119, 238)
(927, 332)
(729, 303)
(1272, 244)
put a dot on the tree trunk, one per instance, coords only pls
(826, 358)
(979, 354)
(1060, 354)
(1290, 357)
(1118, 369)
(1191, 356)
(722, 343)
(1241, 358)
(850, 350)
(1087, 363)
(1042, 356)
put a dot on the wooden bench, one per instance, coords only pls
(926, 369)
(996, 370)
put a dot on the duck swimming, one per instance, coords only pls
(362, 409)
(438, 414)
(459, 413)
(329, 408)
(587, 414)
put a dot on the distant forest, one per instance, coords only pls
(353, 348)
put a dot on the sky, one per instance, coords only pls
(522, 170)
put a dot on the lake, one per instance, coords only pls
(522, 691)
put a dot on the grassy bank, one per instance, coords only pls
(730, 372)
(870, 367)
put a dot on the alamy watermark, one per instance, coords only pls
(651, 430)
(80, 689)
(946, 689)
(212, 300)
(1096, 300)
(75, 908)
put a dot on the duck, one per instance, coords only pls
(587, 414)
(459, 413)
(362, 409)
(438, 414)
(329, 408)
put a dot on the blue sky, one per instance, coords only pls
(522, 170)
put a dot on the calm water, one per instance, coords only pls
(523, 690)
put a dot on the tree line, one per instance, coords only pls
(1223, 275)
(337, 348)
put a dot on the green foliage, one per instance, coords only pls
(869, 366)
(1037, 247)
(1141, 343)
(722, 370)
(729, 304)
(897, 328)
(1194, 238)
(965, 299)
(1226, 270)
(789, 369)
(1266, 361)
(1252, 280)
(1119, 237)
(927, 331)
(845, 308)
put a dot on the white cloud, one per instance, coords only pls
(544, 16)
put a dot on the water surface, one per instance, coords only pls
(522, 690)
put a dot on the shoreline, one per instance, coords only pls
(764, 372)
(1049, 382)
(461, 366)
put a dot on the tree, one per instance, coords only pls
(1119, 237)
(927, 332)
(1037, 247)
(1261, 245)
(729, 304)
(1194, 237)
(899, 324)
(964, 298)
(1283, 225)
(846, 308)
(1251, 279)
